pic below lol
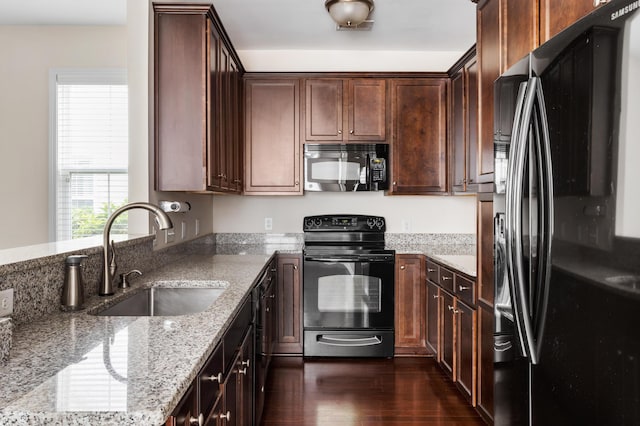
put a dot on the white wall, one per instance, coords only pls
(346, 60)
(26, 55)
(424, 214)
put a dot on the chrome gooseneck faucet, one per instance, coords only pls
(109, 270)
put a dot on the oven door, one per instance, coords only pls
(350, 291)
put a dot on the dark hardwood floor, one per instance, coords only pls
(358, 392)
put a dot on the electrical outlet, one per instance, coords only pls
(197, 230)
(169, 235)
(6, 302)
(268, 224)
(406, 226)
(183, 233)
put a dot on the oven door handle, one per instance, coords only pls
(349, 341)
(341, 259)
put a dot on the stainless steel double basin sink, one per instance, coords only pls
(164, 301)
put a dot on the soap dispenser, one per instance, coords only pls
(73, 289)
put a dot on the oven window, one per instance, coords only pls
(349, 293)
(340, 171)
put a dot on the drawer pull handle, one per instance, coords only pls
(462, 287)
(430, 270)
(446, 278)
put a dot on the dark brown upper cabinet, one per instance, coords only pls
(463, 110)
(419, 135)
(340, 110)
(196, 93)
(272, 136)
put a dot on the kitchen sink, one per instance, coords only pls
(164, 301)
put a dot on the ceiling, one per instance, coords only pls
(400, 25)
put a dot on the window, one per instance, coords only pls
(89, 151)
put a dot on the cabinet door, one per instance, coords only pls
(234, 149)
(272, 140)
(556, 15)
(419, 136)
(246, 362)
(521, 29)
(471, 91)
(323, 112)
(410, 305)
(186, 411)
(490, 66)
(458, 130)
(434, 310)
(181, 138)
(465, 346)
(448, 324)
(220, 167)
(367, 107)
(289, 293)
(485, 363)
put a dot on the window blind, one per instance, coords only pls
(91, 151)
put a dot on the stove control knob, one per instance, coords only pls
(317, 223)
(379, 222)
(371, 223)
(308, 223)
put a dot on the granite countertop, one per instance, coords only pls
(461, 257)
(138, 367)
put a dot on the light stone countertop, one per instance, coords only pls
(81, 369)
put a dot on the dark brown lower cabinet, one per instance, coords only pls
(434, 308)
(410, 305)
(465, 342)
(448, 333)
(186, 411)
(289, 305)
(484, 400)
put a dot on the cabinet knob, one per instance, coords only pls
(350, 131)
(446, 278)
(199, 421)
(394, 183)
(297, 183)
(402, 267)
(243, 371)
(246, 363)
(295, 267)
(339, 132)
(226, 416)
(463, 288)
(470, 180)
(435, 296)
(450, 307)
(430, 270)
(215, 378)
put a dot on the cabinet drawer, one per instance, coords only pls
(233, 337)
(211, 376)
(465, 289)
(432, 272)
(446, 279)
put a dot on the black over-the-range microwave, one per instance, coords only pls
(346, 167)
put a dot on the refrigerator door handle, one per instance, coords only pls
(510, 206)
(514, 237)
(547, 223)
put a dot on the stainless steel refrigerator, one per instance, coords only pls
(567, 227)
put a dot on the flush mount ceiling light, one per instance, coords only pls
(349, 13)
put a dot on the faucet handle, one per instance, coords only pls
(123, 278)
(113, 266)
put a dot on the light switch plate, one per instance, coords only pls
(6, 302)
